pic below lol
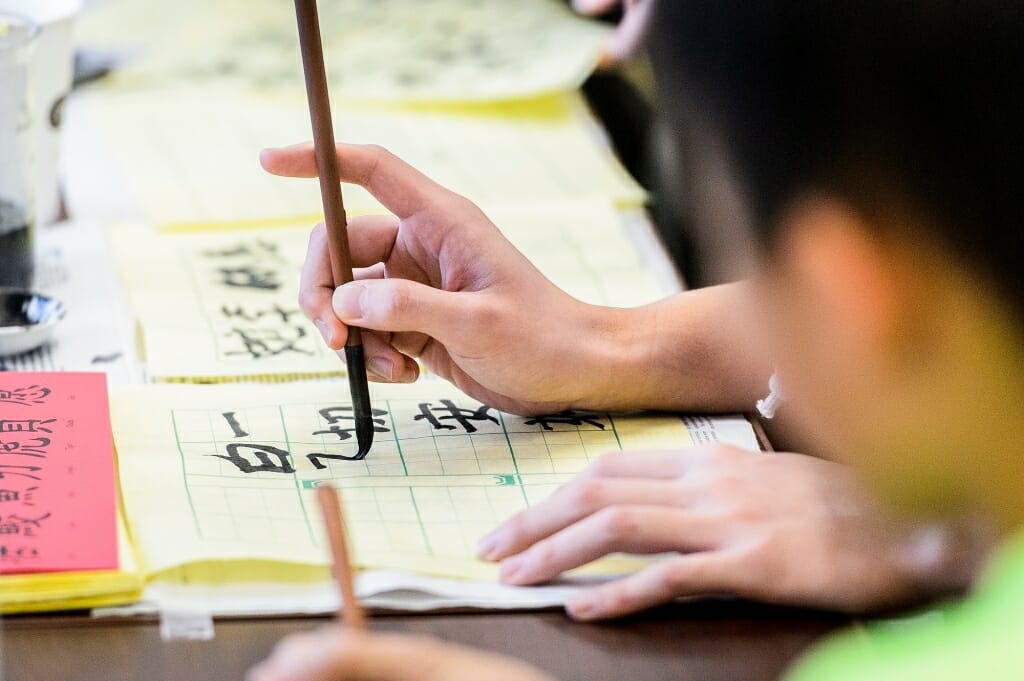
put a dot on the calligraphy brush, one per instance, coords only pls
(334, 522)
(334, 208)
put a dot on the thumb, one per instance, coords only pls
(403, 305)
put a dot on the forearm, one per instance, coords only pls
(696, 351)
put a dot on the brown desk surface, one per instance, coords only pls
(705, 641)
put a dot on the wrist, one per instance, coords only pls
(615, 372)
(690, 352)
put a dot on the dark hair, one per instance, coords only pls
(916, 101)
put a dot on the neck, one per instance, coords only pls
(950, 417)
(986, 418)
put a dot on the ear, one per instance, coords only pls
(851, 274)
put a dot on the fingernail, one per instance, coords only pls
(486, 546)
(324, 330)
(383, 367)
(348, 301)
(512, 568)
(581, 608)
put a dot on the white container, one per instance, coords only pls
(50, 74)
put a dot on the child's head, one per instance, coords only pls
(879, 146)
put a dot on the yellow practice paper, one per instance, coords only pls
(190, 158)
(441, 50)
(222, 478)
(222, 305)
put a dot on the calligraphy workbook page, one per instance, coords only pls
(226, 474)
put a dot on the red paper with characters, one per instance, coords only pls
(58, 499)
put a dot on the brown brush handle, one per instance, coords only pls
(324, 147)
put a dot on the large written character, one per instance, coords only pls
(878, 148)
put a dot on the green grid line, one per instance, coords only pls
(419, 519)
(394, 436)
(615, 432)
(295, 476)
(515, 463)
(184, 476)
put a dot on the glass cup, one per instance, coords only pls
(17, 223)
(50, 73)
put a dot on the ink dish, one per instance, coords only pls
(27, 320)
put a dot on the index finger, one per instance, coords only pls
(402, 189)
(572, 503)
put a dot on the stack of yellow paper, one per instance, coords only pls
(49, 591)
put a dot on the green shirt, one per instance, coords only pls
(979, 639)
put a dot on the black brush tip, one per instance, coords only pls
(360, 389)
(364, 436)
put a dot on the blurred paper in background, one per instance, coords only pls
(424, 50)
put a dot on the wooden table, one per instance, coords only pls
(702, 641)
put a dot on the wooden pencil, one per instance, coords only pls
(351, 612)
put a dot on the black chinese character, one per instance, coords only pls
(25, 526)
(27, 396)
(257, 250)
(316, 458)
(12, 495)
(4, 471)
(236, 428)
(463, 417)
(336, 415)
(263, 464)
(12, 555)
(260, 343)
(37, 448)
(25, 425)
(567, 417)
(254, 315)
(249, 276)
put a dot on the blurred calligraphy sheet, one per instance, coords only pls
(191, 158)
(221, 305)
(221, 479)
(408, 50)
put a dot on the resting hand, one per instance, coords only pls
(439, 282)
(330, 654)
(782, 528)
